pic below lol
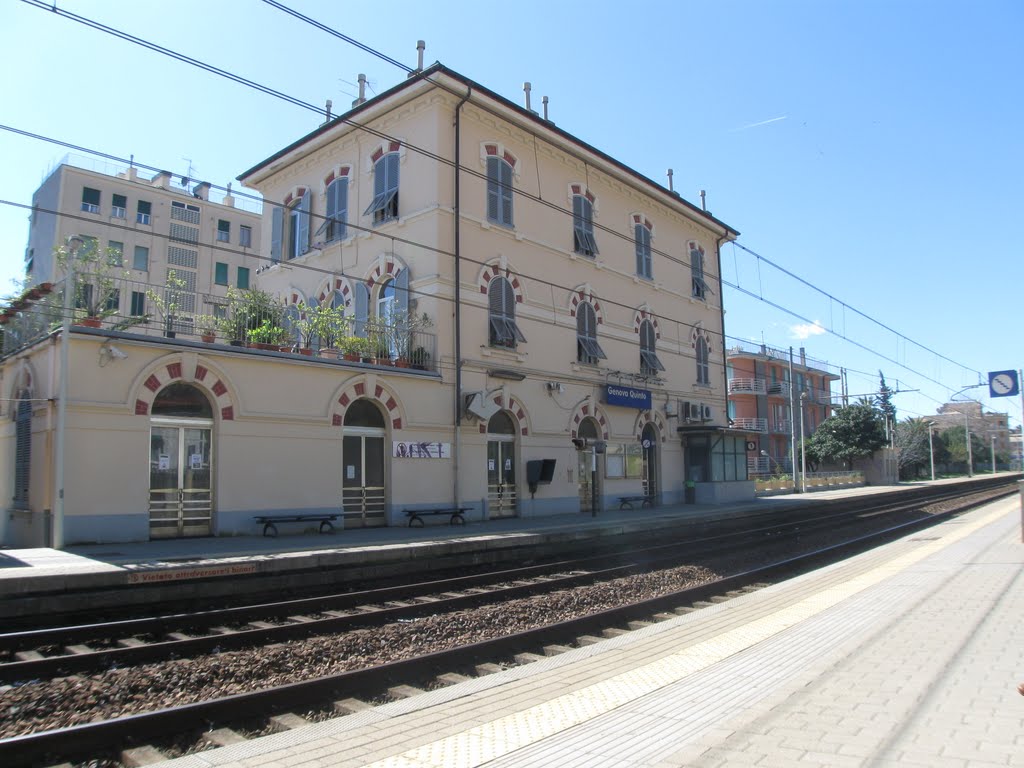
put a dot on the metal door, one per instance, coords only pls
(180, 481)
(501, 478)
(363, 489)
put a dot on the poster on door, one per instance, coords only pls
(411, 450)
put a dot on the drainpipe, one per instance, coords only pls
(721, 312)
(456, 456)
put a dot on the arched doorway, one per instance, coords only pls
(180, 463)
(501, 466)
(590, 477)
(363, 487)
(649, 444)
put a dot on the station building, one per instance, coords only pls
(571, 353)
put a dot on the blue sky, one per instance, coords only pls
(872, 148)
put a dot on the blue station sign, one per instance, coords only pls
(627, 397)
(1003, 384)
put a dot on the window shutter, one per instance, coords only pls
(380, 176)
(496, 297)
(362, 309)
(276, 233)
(331, 204)
(302, 221)
(506, 192)
(402, 293)
(340, 213)
(23, 452)
(392, 171)
(638, 234)
(493, 198)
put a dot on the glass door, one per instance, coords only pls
(501, 478)
(180, 487)
(363, 484)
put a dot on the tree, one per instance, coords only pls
(956, 447)
(911, 439)
(854, 432)
(883, 401)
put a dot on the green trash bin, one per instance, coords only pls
(691, 492)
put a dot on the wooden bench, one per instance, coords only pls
(416, 515)
(269, 522)
(628, 501)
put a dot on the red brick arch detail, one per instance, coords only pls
(696, 334)
(344, 171)
(578, 297)
(491, 271)
(516, 408)
(295, 194)
(579, 189)
(390, 267)
(378, 153)
(638, 320)
(491, 150)
(336, 284)
(651, 417)
(356, 390)
(170, 372)
(588, 408)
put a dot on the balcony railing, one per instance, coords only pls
(134, 308)
(751, 425)
(746, 386)
(782, 426)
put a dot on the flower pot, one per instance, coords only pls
(329, 353)
(353, 357)
(401, 363)
(306, 351)
(90, 322)
(45, 287)
(209, 338)
(382, 361)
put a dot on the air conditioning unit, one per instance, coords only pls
(704, 412)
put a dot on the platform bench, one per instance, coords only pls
(269, 522)
(628, 501)
(416, 515)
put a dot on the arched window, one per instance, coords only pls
(649, 362)
(182, 401)
(385, 189)
(501, 424)
(386, 306)
(363, 413)
(642, 236)
(583, 226)
(499, 191)
(703, 375)
(697, 271)
(504, 331)
(587, 349)
(336, 215)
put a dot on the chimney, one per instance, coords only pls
(544, 101)
(228, 200)
(420, 47)
(327, 112)
(803, 357)
(202, 190)
(703, 201)
(670, 187)
(526, 90)
(161, 179)
(362, 91)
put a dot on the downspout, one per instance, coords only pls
(721, 312)
(456, 455)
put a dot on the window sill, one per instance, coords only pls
(503, 352)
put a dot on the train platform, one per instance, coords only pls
(907, 655)
(170, 562)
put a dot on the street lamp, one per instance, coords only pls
(74, 244)
(967, 429)
(993, 453)
(931, 450)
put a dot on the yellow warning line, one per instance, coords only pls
(504, 735)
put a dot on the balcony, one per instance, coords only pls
(782, 426)
(750, 425)
(175, 315)
(746, 386)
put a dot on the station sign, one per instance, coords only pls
(627, 397)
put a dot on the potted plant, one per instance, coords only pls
(404, 333)
(267, 336)
(330, 326)
(248, 310)
(207, 327)
(305, 326)
(420, 359)
(352, 348)
(98, 279)
(168, 302)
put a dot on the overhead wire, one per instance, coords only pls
(298, 102)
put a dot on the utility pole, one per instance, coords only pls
(792, 420)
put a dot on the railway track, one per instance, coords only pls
(79, 649)
(369, 683)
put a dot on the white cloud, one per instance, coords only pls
(806, 330)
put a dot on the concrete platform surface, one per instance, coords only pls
(909, 655)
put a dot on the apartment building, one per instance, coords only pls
(991, 428)
(568, 332)
(768, 390)
(145, 229)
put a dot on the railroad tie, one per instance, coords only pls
(224, 737)
(350, 706)
(404, 692)
(452, 678)
(286, 722)
(488, 669)
(145, 755)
